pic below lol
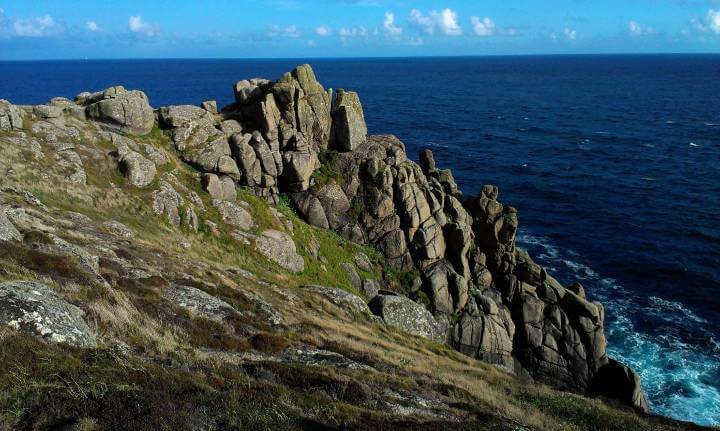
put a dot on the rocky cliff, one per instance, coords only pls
(117, 218)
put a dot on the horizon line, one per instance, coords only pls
(607, 54)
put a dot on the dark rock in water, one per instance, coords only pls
(127, 111)
(618, 381)
(35, 309)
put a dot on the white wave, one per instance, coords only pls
(693, 144)
(673, 371)
(672, 306)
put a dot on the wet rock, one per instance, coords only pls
(34, 309)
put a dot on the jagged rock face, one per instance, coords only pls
(10, 116)
(484, 296)
(35, 309)
(127, 111)
(349, 128)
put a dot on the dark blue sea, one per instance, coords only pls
(612, 161)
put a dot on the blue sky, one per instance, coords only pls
(50, 29)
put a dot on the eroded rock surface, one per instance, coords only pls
(35, 309)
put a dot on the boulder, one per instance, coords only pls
(363, 262)
(485, 337)
(219, 187)
(249, 91)
(47, 111)
(234, 215)
(138, 170)
(35, 309)
(127, 111)
(298, 166)
(198, 302)
(345, 300)
(618, 381)
(8, 231)
(311, 209)
(167, 201)
(349, 128)
(181, 115)
(210, 106)
(280, 248)
(10, 116)
(352, 274)
(407, 315)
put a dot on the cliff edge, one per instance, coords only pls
(272, 263)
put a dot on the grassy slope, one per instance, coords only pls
(161, 368)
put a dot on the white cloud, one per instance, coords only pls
(637, 29)
(424, 23)
(570, 33)
(137, 25)
(290, 31)
(710, 23)
(448, 23)
(389, 25)
(482, 26)
(444, 21)
(92, 26)
(35, 27)
(354, 32)
(713, 20)
(323, 31)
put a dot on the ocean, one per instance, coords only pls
(612, 161)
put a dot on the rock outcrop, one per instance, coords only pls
(483, 295)
(463, 280)
(126, 111)
(35, 309)
(407, 315)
